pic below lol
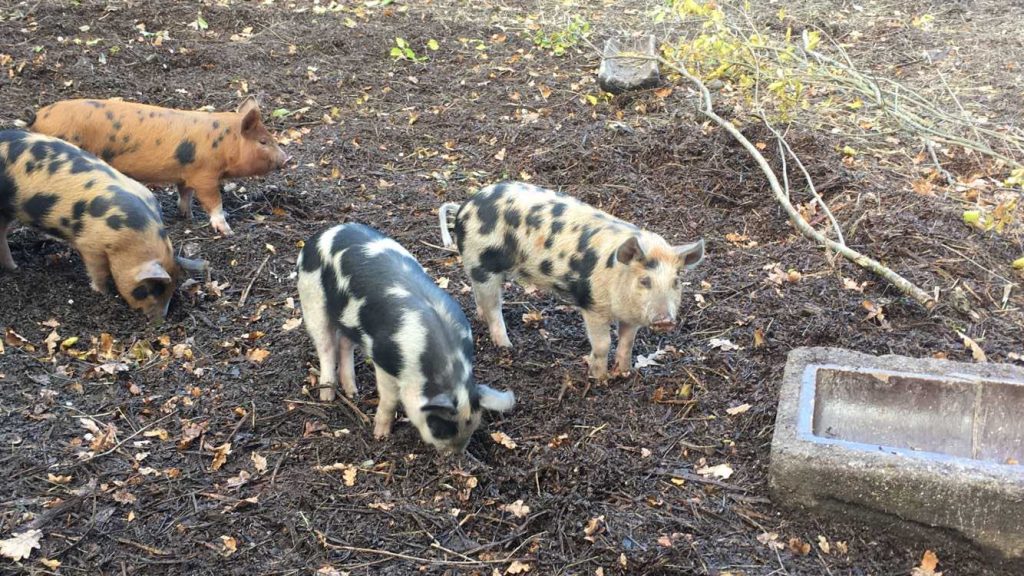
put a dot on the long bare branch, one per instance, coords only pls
(901, 283)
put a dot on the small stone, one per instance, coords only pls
(629, 64)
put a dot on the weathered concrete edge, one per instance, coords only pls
(986, 492)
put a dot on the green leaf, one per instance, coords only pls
(1018, 264)
(972, 217)
(401, 42)
(280, 113)
(350, 23)
(811, 40)
(396, 52)
(201, 22)
(432, 44)
(592, 99)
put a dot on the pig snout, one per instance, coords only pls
(663, 323)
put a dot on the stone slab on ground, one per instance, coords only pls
(891, 439)
(629, 64)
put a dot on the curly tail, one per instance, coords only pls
(28, 120)
(442, 216)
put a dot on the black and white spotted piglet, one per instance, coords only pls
(359, 287)
(613, 271)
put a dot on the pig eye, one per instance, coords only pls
(264, 141)
(645, 281)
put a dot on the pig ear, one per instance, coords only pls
(249, 103)
(690, 254)
(442, 403)
(151, 270)
(495, 400)
(251, 120)
(630, 250)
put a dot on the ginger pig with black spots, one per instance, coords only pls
(113, 221)
(360, 287)
(613, 271)
(193, 149)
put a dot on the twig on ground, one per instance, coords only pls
(928, 144)
(245, 293)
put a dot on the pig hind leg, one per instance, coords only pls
(346, 366)
(325, 337)
(6, 260)
(387, 389)
(624, 349)
(488, 302)
(600, 342)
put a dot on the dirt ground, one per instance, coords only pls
(606, 474)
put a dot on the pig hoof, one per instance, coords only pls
(599, 374)
(98, 287)
(327, 394)
(221, 227)
(381, 432)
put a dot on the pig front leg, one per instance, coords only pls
(600, 342)
(346, 366)
(488, 302)
(97, 265)
(185, 201)
(387, 389)
(6, 260)
(207, 191)
(624, 350)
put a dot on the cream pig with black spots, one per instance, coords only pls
(613, 271)
(113, 221)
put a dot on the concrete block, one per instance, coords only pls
(921, 442)
(629, 64)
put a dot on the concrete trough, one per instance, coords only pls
(918, 442)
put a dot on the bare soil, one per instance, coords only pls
(608, 471)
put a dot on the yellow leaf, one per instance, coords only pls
(1018, 264)
(51, 564)
(55, 479)
(518, 567)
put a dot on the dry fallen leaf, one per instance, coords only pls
(349, 475)
(517, 509)
(160, 433)
(259, 462)
(220, 455)
(504, 440)
(55, 479)
(257, 355)
(799, 547)
(824, 545)
(594, 526)
(51, 564)
(758, 338)
(240, 480)
(518, 567)
(532, 318)
(229, 545)
(20, 544)
(291, 324)
(737, 409)
(723, 471)
(976, 352)
(929, 561)
(723, 344)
